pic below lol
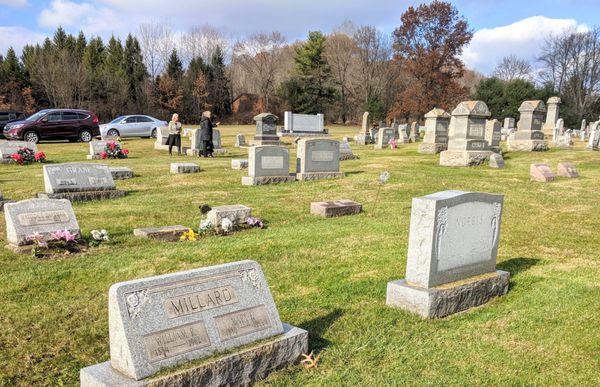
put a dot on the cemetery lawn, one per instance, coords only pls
(327, 276)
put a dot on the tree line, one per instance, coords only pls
(343, 73)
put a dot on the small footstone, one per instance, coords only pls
(184, 168)
(165, 233)
(121, 173)
(335, 208)
(541, 173)
(496, 161)
(239, 163)
(567, 170)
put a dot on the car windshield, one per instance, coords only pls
(118, 119)
(37, 115)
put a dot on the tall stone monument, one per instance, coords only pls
(436, 132)
(529, 136)
(551, 115)
(266, 130)
(364, 137)
(452, 249)
(466, 136)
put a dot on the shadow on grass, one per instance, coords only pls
(517, 265)
(354, 172)
(317, 327)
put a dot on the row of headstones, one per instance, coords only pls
(162, 136)
(158, 322)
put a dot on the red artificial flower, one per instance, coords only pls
(103, 154)
(40, 156)
(125, 151)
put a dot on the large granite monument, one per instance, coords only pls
(436, 132)
(156, 323)
(466, 136)
(452, 249)
(266, 130)
(529, 136)
(301, 125)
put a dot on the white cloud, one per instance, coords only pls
(14, 3)
(85, 16)
(17, 37)
(522, 38)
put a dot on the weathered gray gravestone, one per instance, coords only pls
(268, 164)
(240, 140)
(42, 216)
(436, 132)
(452, 249)
(96, 148)
(266, 130)
(163, 321)
(496, 161)
(236, 213)
(346, 151)
(79, 182)
(121, 173)
(594, 140)
(493, 135)
(197, 145)
(466, 136)
(318, 159)
(184, 168)
(552, 115)
(414, 132)
(364, 136)
(529, 136)
(384, 136)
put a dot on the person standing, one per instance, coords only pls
(206, 134)
(174, 134)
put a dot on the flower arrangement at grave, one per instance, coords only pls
(113, 150)
(62, 242)
(27, 156)
(393, 143)
(226, 226)
(189, 235)
(98, 237)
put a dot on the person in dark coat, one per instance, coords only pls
(206, 134)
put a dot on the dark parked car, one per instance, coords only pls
(55, 124)
(7, 116)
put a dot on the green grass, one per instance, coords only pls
(327, 275)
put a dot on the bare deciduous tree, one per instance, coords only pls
(202, 42)
(341, 54)
(572, 66)
(511, 68)
(374, 51)
(157, 43)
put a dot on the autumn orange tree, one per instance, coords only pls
(427, 46)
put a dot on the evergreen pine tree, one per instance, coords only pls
(174, 66)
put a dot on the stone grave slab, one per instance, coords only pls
(121, 173)
(330, 209)
(567, 170)
(239, 163)
(43, 216)
(436, 132)
(173, 319)
(165, 233)
(496, 161)
(541, 173)
(268, 164)
(8, 147)
(452, 250)
(79, 182)
(384, 136)
(237, 213)
(184, 168)
(318, 159)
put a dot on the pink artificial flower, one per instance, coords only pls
(38, 239)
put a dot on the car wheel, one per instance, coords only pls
(31, 136)
(153, 134)
(112, 133)
(85, 135)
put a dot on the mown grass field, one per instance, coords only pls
(328, 276)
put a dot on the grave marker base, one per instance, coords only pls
(447, 299)
(84, 196)
(121, 173)
(431, 149)
(527, 145)
(335, 208)
(165, 233)
(249, 180)
(457, 158)
(242, 367)
(319, 175)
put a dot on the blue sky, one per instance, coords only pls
(502, 27)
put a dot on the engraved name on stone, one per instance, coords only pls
(243, 322)
(43, 218)
(322, 156)
(272, 162)
(476, 129)
(66, 182)
(453, 249)
(196, 302)
(176, 341)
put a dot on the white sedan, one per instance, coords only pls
(132, 126)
